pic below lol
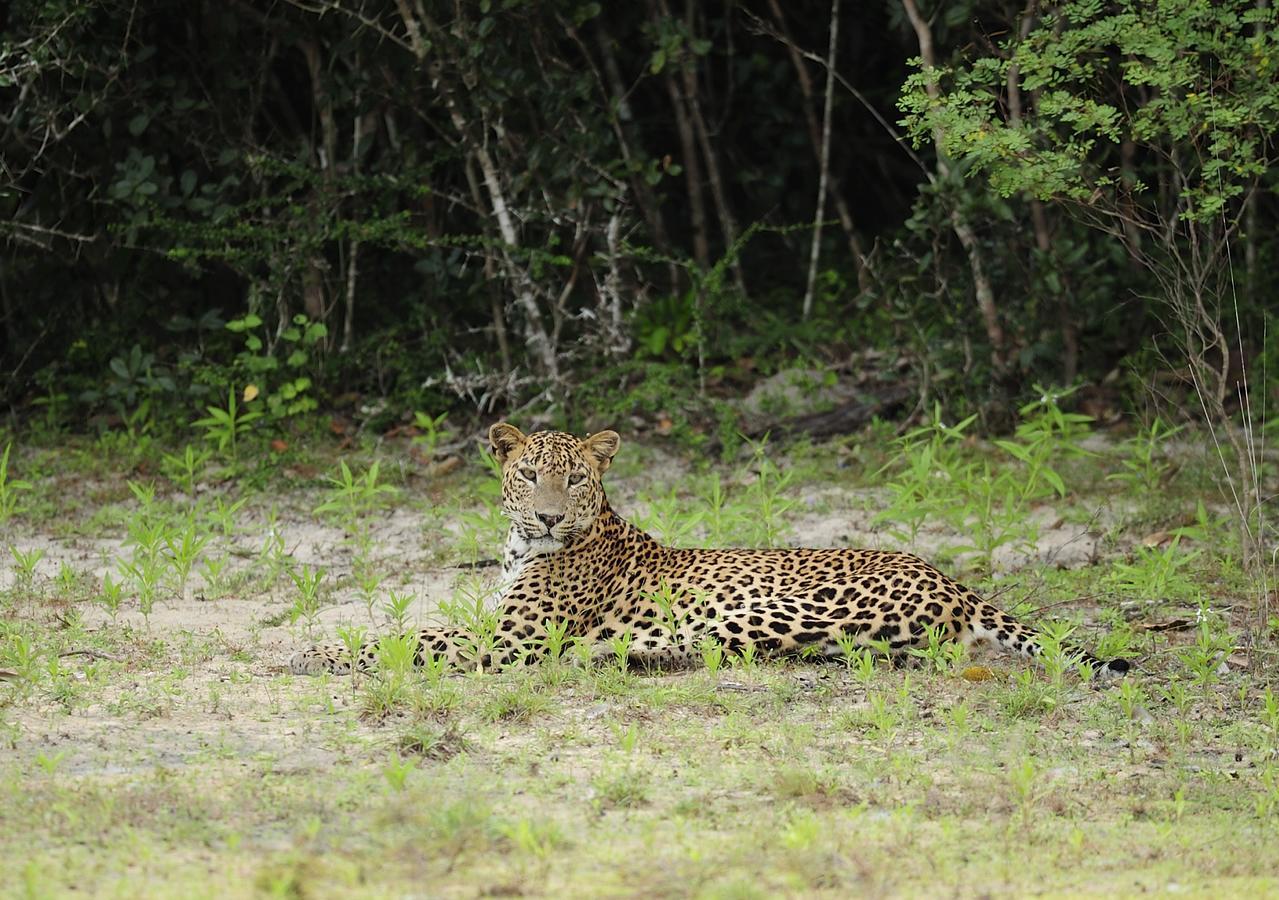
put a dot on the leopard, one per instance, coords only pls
(574, 569)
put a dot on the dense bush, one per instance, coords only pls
(486, 203)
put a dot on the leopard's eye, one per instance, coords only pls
(528, 474)
(576, 478)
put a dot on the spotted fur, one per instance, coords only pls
(571, 560)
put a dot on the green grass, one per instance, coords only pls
(170, 755)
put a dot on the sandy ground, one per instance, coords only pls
(231, 696)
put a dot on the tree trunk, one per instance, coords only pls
(728, 223)
(959, 223)
(539, 341)
(823, 161)
(842, 211)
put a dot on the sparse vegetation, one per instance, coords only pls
(740, 767)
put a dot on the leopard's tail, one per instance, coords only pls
(994, 626)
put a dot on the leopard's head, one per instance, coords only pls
(551, 488)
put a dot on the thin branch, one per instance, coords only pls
(824, 164)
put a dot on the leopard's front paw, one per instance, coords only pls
(331, 658)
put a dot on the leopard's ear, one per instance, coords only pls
(506, 439)
(600, 448)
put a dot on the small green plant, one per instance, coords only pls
(1270, 710)
(146, 571)
(673, 607)
(184, 471)
(1056, 655)
(928, 458)
(226, 425)
(1028, 696)
(670, 519)
(1212, 644)
(432, 431)
(1023, 778)
(765, 496)
(353, 638)
(182, 550)
(943, 653)
(396, 609)
(1132, 700)
(620, 644)
(9, 487)
(25, 564)
(19, 653)
(396, 771)
(536, 839)
(49, 763)
(520, 703)
(556, 640)
(67, 579)
(350, 496)
(747, 658)
(276, 372)
(1144, 463)
(111, 595)
(470, 610)
(222, 515)
(712, 652)
(307, 580)
(213, 572)
(1156, 573)
(395, 655)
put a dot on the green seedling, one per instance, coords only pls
(1156, 573)
(765, 496)
(712, 652)
(1023, 778)
(747, 658)
(19, 653)
(433, 431)
(395, 655)
(225, 426)
(350, 497)
(67, 579)
(212, 572)
(146, 572)
(111, 595)
(469, 610)
(368, 580)
(556, 640)
(396, 609)
(673, 610)
(182, 551)
(620, 644)
(10, 488)
(222, 515)
(1145, 466)
(939, 650)
(1270, 709)
(307, 580)
(396, 771)
(25, 564)
(49, 763)
(1203, 658)
(532, 838)
(353, 638)
(184, 471)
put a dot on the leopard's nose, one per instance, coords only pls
(550, 521)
